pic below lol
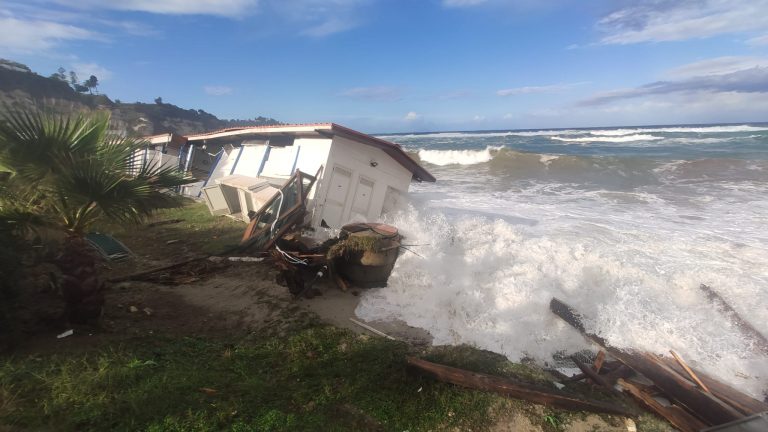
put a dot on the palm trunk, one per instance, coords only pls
(80, 285)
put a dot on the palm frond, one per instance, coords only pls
(80, 172)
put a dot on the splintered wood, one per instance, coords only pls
(695, 400)
(512, 388)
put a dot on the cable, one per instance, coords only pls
(291, 259)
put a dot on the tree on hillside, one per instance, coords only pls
(91, 83)
(159, 100)
(60, 75)
(66, 173)
(73, 79)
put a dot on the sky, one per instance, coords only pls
(412, 65)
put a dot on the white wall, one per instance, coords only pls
(356, 158)
(306, 154)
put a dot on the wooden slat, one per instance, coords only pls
(743, 403)
(514, 389)
(706, 406)
(688, 371)
(676, 416)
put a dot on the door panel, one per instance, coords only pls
(362, 202)
(336, 198)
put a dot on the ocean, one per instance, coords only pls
(624, 224)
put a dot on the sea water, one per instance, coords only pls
(624, 224)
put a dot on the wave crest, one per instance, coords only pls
(458, 157)
(609, 138)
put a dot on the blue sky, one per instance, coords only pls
(413, 65)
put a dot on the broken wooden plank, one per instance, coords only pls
(689, 371)
(743, 403)
(599, 359)
(514, 389)
(679, 418)
(594, 376)
(709, 408)
(745, 327)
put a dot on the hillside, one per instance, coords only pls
(22, 88)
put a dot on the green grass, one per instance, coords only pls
(199, 232)
(317, 378)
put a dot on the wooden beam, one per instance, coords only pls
(515, 389)
(679, 418)
(730, 313)
(743, 403)
(709, 408)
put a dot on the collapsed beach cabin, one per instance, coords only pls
(359, 177)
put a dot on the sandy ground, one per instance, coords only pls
(240, 296)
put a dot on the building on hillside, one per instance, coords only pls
(359, 177)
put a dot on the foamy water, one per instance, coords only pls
(625, 234)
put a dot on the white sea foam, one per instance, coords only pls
(458, 157)
(593, 132)
(631, 264)
(617, 139)
(680, 129)
(547, 159)
(437, 135)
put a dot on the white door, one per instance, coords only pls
(336, 198)
(362, 201)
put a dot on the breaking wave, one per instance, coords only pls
(609, 138)
(681, 129)
(593, 132)
(457, 157)
(487, 281)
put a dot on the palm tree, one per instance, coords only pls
(69, 172)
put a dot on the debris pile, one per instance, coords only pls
(689, 399)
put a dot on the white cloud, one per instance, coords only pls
(478, 118)
(720, 75)
(227, 8)
(758, 41)
(412, 116)
(320, 17)
(553, 88)
(329, 27)
(658, 21)
(217, 90)
(85, 70)
(716, 66)
(462, 3)
(20, 35)
(377, 93)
